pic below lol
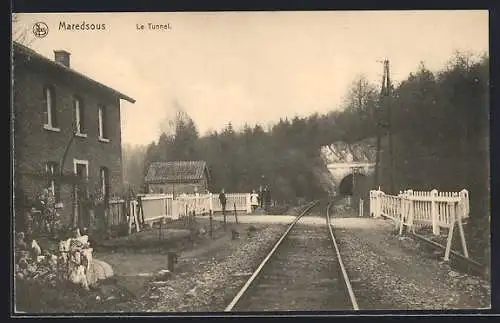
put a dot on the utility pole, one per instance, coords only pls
(379, 125)
(384, 121)
(389, 125)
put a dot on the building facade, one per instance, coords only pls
(178, 177)
(67, 131)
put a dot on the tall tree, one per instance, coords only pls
(185, 138)
(133, 161)
(359, 105)
(20, 33)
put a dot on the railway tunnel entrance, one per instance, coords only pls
(356, 187)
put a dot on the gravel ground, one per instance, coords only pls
(391, 272)
(264, 219)
(211, 283)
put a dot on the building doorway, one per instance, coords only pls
(80, 193)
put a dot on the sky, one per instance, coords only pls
(249, 67)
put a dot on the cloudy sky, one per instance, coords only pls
(252, 67)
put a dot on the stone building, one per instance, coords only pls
(66, 130)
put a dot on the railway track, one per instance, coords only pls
(302, 272)
(465, 264)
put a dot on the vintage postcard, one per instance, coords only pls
(284, 161)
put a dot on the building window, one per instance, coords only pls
(105, 188)
(50, 109)
(103, 124)
(79, 109)
(53, 184)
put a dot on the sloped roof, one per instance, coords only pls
(176, 171)
(33, 56)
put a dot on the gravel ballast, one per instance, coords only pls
(212, 283)
(389, 272)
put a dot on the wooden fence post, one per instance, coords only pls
(210, 202)
(450, 235)
(235, 213)
(464, 199)
(402, 210)
(410, 210)
(434, 213)
(378, 203)
(248, 204)
(459, 211)
(210, 221)
(132, 217)
(372, 204)
(136, 216)
(129, 213)
(140, 211)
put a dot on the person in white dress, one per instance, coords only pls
(254, 200)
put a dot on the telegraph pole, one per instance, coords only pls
(379, 125)
(389, 126)
(384, 121)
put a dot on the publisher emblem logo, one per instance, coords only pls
(40, 29)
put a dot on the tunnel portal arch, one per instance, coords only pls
(353, 184)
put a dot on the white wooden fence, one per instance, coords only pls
(200, 204)
(416, 208)
(435, 209)
(240, 200)
(117, 212)
(156, 207)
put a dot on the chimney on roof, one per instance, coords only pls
(62, 57)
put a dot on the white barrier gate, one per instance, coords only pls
(156, 207)
(418, 208)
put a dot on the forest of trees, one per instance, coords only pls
(440, 127)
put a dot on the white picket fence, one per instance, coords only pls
(240, 201)
(200, 204)
(417, 208)
(156, 207)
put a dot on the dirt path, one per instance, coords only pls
(208, 277)
(389, 272)
(134, 269)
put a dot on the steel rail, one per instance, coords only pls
(477, 268)
(269, 255)
(352, 297)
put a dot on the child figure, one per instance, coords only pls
(254, 200)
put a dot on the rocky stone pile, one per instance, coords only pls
(72, 262)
